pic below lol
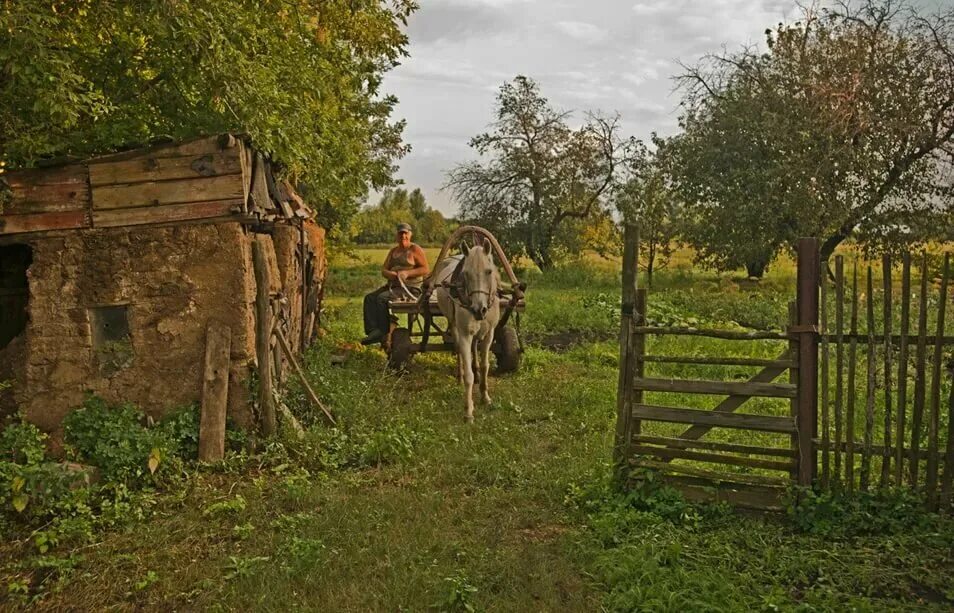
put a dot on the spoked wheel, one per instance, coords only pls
(399, 352)
(507, 350)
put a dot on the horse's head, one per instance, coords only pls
(479, 279)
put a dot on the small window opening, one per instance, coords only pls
(15, 260)
(110, 324)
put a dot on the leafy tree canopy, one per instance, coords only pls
(301, 77)
(537, 173)
(843, 128)
(376, 224)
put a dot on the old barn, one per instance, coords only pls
(114, 270)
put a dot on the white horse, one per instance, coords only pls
(467, 296)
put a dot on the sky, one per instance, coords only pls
(607, 55)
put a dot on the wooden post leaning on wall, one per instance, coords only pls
(263, 334)
(215, 390)
(303, 246)
(807, 330)
(624, 390)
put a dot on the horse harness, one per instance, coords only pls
(458, 290)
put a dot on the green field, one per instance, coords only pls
(405, 507)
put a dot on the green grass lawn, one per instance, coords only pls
(405, 507)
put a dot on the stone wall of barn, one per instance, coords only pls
(122, 313)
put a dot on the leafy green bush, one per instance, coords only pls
(878, 512)
(181, 428)
(22, 443)
(114, 440)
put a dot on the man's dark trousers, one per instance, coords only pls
(376, 310)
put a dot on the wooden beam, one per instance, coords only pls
(667, 454)
(712, 476)
(741, 421)
(699, 386)
(156, 168)
(728, 361)
(263, 330)
(301, 376)
(679, 443)
(215, 388)
(151, 193)
(40, 222)
(166, 213)
(723, 334)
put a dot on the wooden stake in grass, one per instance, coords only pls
(936, 373)
(850, 413)
(919, 373)
(870, 388)
(886, 455)
(825, 425)
(839, 360)
(903, 366)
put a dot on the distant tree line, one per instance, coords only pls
(842, 128)
(377, 223)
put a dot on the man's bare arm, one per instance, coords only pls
(386, 271)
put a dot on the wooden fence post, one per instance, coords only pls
(624, 390)
(215, 389)
(807, 330)
(263, 334)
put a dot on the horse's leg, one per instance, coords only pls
(483, 363)
(465, 350)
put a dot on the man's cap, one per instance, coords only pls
(404, 227)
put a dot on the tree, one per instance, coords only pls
(376, 224)
(301, 77)
(539, 173)
(843, 128)
(647, 200)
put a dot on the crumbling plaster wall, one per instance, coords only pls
(175, 280)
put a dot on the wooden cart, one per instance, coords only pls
(426, 328)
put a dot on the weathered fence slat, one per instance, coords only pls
(679, 443)
(850, 409)
(723, 334)
(758, 497)
(903, 367)
(920, 359)
(869, 388)
(263, 333)
(728, 388)
(888, 316)
(709, 474)
(807, 418)
(948, 478)
(624, 389)
(936, 374)
(825, 409)
(839, 360)
(729, 361)
(743, 421)
(668, 453)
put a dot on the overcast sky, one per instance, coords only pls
(609, 55)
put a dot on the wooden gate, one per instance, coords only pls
(881, 388)
(770, 446)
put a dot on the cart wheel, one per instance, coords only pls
(400, 350)
(507, 350)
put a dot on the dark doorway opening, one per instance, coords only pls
(15, 260)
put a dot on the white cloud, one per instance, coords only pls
(582, 31)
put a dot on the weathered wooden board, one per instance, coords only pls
(713, 476)
(162, 214)
(743, 421)
(728, 361)
(199, 146)
(153, 193)
(157, 168)
(728, 388)
(667, 454)
(38, 222)
(47, 190)
(680, 443)
(215, 387)
(741, 495)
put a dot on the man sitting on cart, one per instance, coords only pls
(405, 263)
